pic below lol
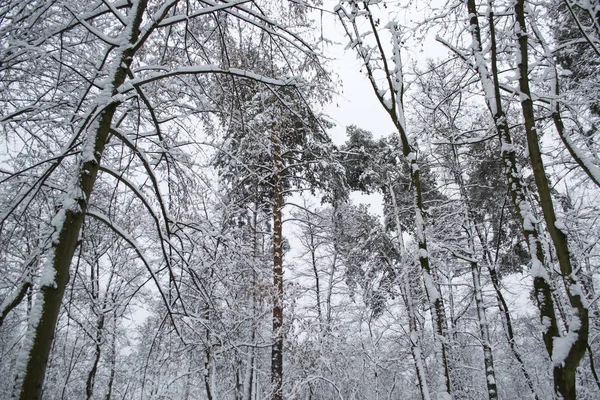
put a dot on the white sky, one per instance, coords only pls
(355, 102)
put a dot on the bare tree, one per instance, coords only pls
(390, 94)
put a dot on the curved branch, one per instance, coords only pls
(131, 241)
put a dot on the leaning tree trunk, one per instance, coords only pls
(33, 357)
(565, 360)
(277, 346)
(431, 287)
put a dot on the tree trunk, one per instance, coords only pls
(277, 346)
(413, 326)
(488, 358)
(89, 384)
(113, 359)
(565, 365)
(33, 357)
(541, 279)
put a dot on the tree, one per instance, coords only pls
(564, 377)
(119, 57)
(390, 95)
(278, 149)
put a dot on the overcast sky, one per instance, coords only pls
(355, 102)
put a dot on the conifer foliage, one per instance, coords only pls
(176, 221)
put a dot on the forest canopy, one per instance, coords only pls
(178, 221)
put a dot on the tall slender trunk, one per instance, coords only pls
(208, 358)
(113, 359)
(393, 88)
(332, 270)
(503, 306)
(89, 384)
(413, 325)
(431, 287)
(33, 357)
(313, 256)
(484, 332)
(566, 360)
(249, 376)
(277, 346)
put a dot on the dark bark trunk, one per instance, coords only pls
(42, 322)
(543, 291)
(89, 384)
(207, 361)
(313, 252)
(16, 299)
(113, 360)
(564, 369)
(277, 346)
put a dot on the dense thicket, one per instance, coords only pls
(176, 223)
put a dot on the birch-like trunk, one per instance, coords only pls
(564, 368)
(33, 357)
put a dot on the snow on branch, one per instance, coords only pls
(132, 242)
(205, 69)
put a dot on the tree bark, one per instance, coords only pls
(277, 346)
(89, 384)
(413, 326)
(576, 338)
(33, 357)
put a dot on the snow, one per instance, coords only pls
(443, 396)
(48, 277)
(432, 291)
(205, 69)
(35, 317)
(538, 270)
(562, 345)
(507, 147)
(560, 225)
(592, 169)
(575, 289)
